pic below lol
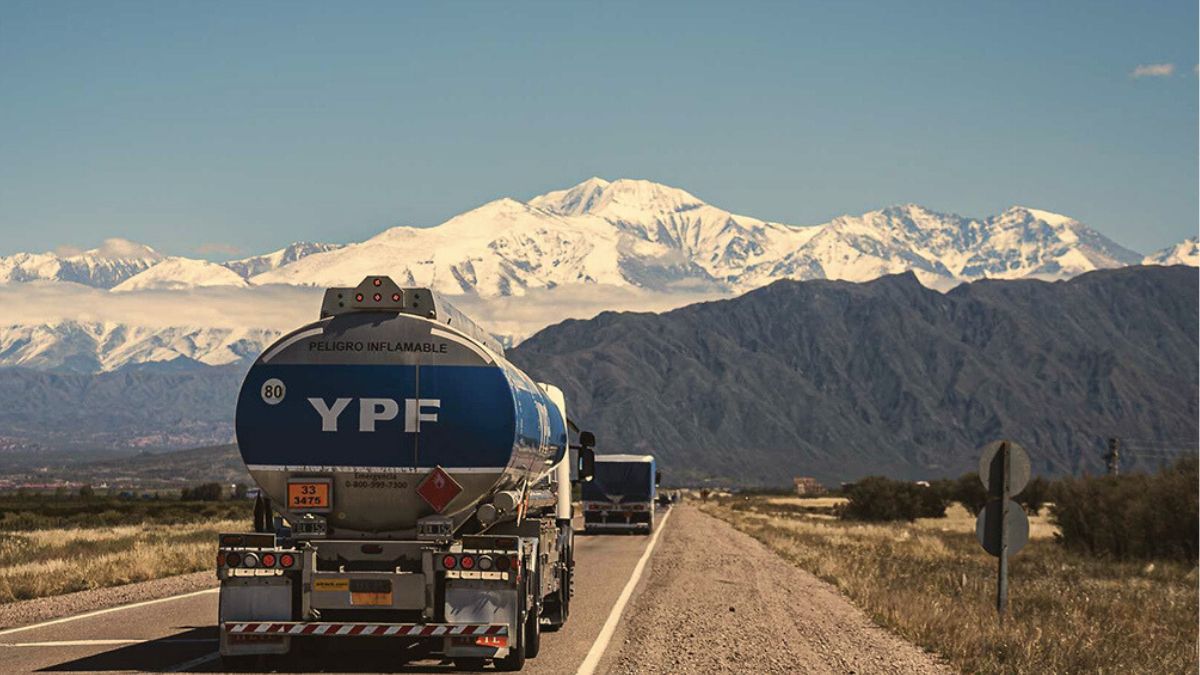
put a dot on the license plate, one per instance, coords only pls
(309, 495)
(384, 599)
(370, 592)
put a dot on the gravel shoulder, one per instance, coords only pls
(715, 600)
(25, 612)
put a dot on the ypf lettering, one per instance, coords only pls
(374, 410)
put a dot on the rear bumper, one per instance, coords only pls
(616, 526)
(449, 639)
(381, 630)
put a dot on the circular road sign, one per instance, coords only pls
(1018, 466)
(987, 527)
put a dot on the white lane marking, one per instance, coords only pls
(98, 612)
(188, 665)
(89, 643)
(610, 625)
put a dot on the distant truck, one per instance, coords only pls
(621, 495)
(415, 490)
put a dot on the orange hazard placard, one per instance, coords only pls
(308, 495)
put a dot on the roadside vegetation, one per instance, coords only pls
(51, 545)
(1107, 582)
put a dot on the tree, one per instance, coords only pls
(86, 492)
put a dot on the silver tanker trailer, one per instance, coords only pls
(416, 489)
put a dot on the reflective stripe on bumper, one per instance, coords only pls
(362, 629)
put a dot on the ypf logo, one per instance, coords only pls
(374, 410)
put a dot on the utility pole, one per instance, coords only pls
(1113, 457)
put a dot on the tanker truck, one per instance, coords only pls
(621, 495)
(415, 490)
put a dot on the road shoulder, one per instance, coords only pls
(717, 600)
(37, 610)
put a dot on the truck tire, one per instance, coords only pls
(558, 606)
(533, 632)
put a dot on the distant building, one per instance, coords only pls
(807, 486)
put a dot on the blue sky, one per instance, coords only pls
(220, 127)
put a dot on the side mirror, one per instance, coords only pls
(658, 478)
(587, 463)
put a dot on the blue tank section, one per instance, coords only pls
(361, 397)
(484, 416)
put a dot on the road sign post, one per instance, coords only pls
(1002, 527)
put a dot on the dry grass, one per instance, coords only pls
(45, 562)
(930, 582)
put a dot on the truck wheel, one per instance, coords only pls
(533, 632)
(558, 608)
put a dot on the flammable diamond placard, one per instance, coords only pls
(438, 488)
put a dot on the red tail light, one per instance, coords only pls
(220, 558)
(268, 560)
(515, 562)
(502, 563)
(468, 562)
(233, 559)
(286, 560)
(449, 562)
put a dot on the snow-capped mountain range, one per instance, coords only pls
(615, 243)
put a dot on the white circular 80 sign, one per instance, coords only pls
(273, 391)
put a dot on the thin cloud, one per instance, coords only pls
(1154, 70)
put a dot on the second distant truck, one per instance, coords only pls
(621, 495)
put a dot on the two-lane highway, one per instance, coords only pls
(179, 633)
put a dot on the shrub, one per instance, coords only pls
(969, 491)
(1034, 495)
(207, 492)
(1134, 516)
(879, 498)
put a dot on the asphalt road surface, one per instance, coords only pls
(179, 634)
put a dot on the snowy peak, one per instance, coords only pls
(1186, 252)
(574, 200)
(1025, 213)
(80, 346)
(617, 199)
(502, 248)
(181, 273)
(248, 267)
(105, 266)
